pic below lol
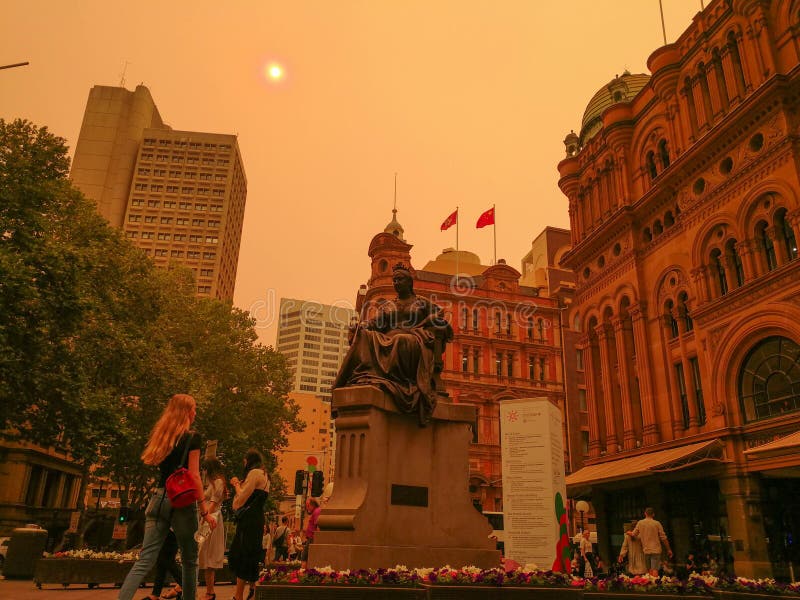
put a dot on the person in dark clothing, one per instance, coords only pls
(246, 551)
(166, 564)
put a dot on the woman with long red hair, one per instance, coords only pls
(172, 445)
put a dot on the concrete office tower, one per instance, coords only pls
(178, 195)
(313, 337)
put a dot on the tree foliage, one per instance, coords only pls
(94, 338)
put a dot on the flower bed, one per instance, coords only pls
(91, 572)
(470, 583)
(91, 568)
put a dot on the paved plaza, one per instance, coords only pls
(16, 589)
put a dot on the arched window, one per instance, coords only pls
(464, 317)
(683, 311)
(650, 161)
(663, 153)
(475, 319)
(669, 319)
(669, 220)
(769, 380)
(720, 76)
(658, 229)
(530, 328)
(646, 235)
(498, 322)
(766, 245)
(787, 232)
(735, 261)
(540, 329)
(716, 265)
(736, 60)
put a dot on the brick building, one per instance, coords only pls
(507, 341)
(684, 193)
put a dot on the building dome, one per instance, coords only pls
(464, 256)
(623, 88)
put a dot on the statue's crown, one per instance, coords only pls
(401, 267)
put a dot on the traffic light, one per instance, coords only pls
(123, 515)
(317, 483)
(299, 482)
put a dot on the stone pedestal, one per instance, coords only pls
(400, 493)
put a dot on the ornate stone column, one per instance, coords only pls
(746, 525)
(746, 250)
(628, 434)
(650, 431)
(585, 345)
(700, 279)
(612, 438)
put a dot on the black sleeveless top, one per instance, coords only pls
(172, 462)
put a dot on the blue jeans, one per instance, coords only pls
(160, 517)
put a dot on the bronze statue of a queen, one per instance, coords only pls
(400, 349)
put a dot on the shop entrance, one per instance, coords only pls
(780, 506)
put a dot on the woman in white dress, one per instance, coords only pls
(212, 550)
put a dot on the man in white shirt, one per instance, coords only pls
(651, 534)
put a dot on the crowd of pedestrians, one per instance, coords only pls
(184, 516)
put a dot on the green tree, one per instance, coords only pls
(94, 338)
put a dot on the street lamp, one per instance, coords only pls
(582, 506)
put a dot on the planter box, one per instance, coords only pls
(731, 595)
(91, 572)
(489, 592)
(643, 596)
(275, 591)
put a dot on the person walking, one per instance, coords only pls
(633, 551)
(651, 533)
(587, 555)
(165, 563)
(314, 510)
(281, 540)
(246, 553)
(212, 549)
(172, 445)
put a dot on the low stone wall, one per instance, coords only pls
(455, 592)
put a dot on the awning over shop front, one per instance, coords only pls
(650, 463)
(779, 446)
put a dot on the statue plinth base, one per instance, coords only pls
(400, 494)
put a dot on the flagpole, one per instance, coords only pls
(494, 229)
(457, 246)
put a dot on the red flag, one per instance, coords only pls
(486, 218)
(450, 221)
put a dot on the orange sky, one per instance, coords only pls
(468, 101)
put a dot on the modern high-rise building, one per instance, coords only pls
(313, 337)
(683, 188)
(178, 195)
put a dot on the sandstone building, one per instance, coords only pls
(684, 203)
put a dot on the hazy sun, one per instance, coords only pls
(275, 72)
